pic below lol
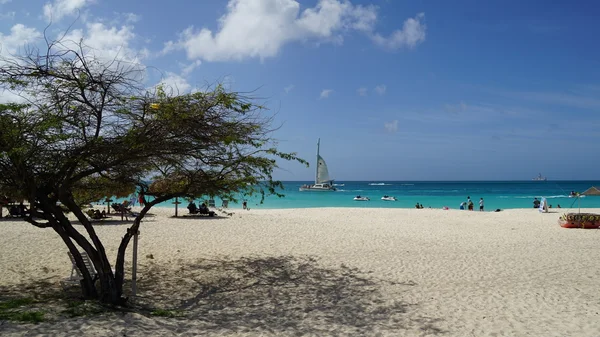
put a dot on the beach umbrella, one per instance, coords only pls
(591, 191)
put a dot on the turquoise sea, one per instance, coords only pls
(435, 194)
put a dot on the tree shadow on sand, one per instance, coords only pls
(277, 295)
(266, 296)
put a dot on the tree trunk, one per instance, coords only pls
(110, 288)
(119, 266)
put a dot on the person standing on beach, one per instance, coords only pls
(481, 204)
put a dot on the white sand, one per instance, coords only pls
(435, 272)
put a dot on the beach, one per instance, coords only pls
(333, 272)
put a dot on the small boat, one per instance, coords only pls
(322, 181)
(388, 198)
(580, 220)
(359, 198)
(539, 178)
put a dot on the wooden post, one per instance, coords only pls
(176, 204)
(108, 201)
(134, 267)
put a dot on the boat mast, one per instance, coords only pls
(317, 166)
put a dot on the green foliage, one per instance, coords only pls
(165, 313)
(82, 308)
(15, 303)
(12, 310)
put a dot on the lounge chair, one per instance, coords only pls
(205, 212)
(124, 211)
(202, 211)
(76, 275)
(211, 203)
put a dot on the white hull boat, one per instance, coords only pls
(317, 188)
(322, 181)
(388, 198)
(539, 178)
(359, 198)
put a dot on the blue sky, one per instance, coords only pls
(396, 90)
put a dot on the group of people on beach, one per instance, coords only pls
(470, 205)
(536, 204)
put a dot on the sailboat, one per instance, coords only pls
(322, 181)
(539, 178)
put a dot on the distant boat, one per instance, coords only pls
(388, 198)
(322, 181)
(361, 198)
(539, 178)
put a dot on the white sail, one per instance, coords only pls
(322, 180)
(322, 172)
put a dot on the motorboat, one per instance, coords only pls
(360, 198)
(322, 181)
(388, 198)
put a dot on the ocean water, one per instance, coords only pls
(435, 194)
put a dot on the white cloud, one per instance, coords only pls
(61, 8)
(260, 28)
(8, 15)
(391, 126)
(131, 17)
(20, 35)
(412, 33)
(11, 44)
(288, 88)
(380, 89)
(187, 69)
(362, 91)
(174, 84)
(325, 93)
(106, 43)
(456, 108)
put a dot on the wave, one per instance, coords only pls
(380, 184)
(407, 184)
(338, 184)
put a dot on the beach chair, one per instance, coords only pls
(211, 203)
(76, 275)
(225, 204)
(124, 211)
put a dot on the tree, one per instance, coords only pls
(87, 127)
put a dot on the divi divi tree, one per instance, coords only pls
(84, 128)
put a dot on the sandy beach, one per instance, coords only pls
(332, 272)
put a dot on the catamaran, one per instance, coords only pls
(322, 181)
